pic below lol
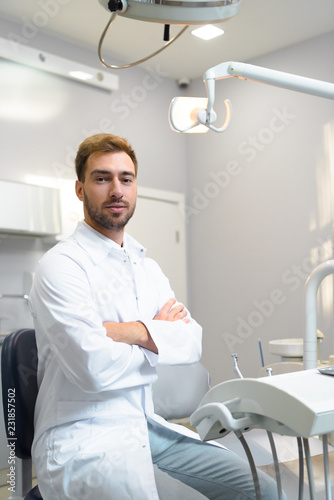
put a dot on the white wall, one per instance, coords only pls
(260, 206)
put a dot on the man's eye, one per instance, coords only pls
(127, 180)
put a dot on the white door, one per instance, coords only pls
(159, 225)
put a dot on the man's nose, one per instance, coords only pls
(116, 189)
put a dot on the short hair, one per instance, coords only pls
(101, 143)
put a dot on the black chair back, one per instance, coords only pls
(19, 388)
(19, 393)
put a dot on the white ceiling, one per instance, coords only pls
(261, 26)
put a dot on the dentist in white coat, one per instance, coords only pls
(104, 317)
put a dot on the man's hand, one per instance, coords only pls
(170, 313)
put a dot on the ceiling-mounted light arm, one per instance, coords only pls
(208, 117)
(255, 73)
(270, 77)
(210, 90)
(112, 66)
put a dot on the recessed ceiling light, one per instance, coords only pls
(207, 32)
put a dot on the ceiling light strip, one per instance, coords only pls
(57, 65)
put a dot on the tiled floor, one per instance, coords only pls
(290, 477)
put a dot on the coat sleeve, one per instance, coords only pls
(71, 334)
(177, 342)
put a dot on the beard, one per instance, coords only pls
(113, 221)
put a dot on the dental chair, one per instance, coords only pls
(19, 392)
(179, 390)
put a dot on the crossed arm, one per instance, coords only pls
(136, 333)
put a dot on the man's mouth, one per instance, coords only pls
(115, 207)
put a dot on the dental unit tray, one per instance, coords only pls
(297, 404)
(292, 404)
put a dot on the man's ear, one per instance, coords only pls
(79, 190)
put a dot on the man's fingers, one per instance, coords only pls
(170, 313)
(163, 313)
(177, 310)
(169, 304)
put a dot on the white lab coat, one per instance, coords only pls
(91, 438)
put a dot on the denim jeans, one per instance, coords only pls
(213, 471)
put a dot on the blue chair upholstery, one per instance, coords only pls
(19, 374)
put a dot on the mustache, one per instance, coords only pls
(116, 202)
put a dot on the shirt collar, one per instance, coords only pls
(98, 246)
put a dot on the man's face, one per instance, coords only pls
(109, 193)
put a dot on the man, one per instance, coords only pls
(104, 316)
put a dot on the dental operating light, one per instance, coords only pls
(167, 12)
(188, 114)
(205, 117)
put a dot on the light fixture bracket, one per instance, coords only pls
(118, 6)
